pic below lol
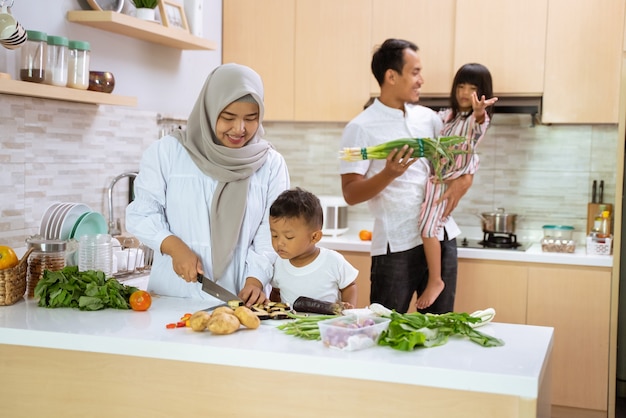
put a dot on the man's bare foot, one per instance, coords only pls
(430, 294)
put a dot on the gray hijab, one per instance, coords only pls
(231, 167)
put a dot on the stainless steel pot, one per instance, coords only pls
(498, 222)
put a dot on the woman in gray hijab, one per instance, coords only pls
(203, 194)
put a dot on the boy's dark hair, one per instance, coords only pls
(478, 75)
(390, 55)
(296, 203)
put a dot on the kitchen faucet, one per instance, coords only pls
(114, 225)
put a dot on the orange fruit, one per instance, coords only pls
(365, 235)
(8, 258)
(140, 300)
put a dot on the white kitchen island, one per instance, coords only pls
(66, 362)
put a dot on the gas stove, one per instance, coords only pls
(492, 241)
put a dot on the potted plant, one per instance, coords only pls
(146, 9)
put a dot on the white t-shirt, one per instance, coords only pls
(396, 208)
(322, 279)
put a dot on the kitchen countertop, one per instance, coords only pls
(350, 241)
(514, 369)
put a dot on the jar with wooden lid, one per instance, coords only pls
(46, 255)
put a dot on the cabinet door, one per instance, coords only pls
(363, 263)
(260, 34)
(576, 302)
(583, 59)
(332, 63)
(428, 24)
(490, 284)
(508, 37)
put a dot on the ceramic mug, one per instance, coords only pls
(12, 33)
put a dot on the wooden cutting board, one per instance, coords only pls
(592, 211)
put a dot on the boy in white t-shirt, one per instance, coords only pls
(303, 269)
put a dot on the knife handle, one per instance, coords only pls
(593, 191)
(199, 278)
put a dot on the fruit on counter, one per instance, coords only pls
(247, 318)
(365, 235)
(140, 300)
(8, 258)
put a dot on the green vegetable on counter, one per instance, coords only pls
(85, 290)
(304, 326)
(408, 331)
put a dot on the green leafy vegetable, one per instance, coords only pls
(85, 290)
(408, 331)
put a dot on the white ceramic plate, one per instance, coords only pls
(53, 216)
(56, 224)
(70, 219)
(91, 223)
(46, 218)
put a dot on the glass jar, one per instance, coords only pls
(57, 61)
(46, 255)
(78, 65)
(33, 57)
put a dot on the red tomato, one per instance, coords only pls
(140, 300)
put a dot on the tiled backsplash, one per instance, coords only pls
(60, 151)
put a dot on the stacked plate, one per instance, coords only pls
(64, 221)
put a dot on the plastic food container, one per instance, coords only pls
(562, 232)
(33, 57)
(352, 332)
(78, 65)
(58, 56)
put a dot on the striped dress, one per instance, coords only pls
(464, 124)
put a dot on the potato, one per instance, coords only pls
(199, 320)
(223, 309)
(247, 318)
(222, 323)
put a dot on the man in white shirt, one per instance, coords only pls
(394, 188)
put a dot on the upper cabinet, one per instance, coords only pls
(314, 56)
(583, 61)
(428, 24)
(508, 37)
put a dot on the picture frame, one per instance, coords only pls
(173, 15)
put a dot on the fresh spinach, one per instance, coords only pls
(411, 330)
(85, 290)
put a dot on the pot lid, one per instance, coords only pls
(498, 211)
(46, 245)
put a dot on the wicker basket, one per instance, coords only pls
(13, 282)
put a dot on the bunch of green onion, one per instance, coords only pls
(440, 152)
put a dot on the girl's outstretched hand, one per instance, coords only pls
(479, 106)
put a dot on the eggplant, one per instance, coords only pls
(306, 304)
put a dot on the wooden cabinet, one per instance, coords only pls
(508, 37)
(363, 263)
(576, 302)
(266, 43)
(583, 60)
(485, 284)
(426, 23)
(313, 55)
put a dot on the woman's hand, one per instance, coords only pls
(186, 263)
(252, 292)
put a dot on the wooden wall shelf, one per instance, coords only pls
(136, 28)
(24, 88)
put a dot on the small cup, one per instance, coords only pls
(12, 33)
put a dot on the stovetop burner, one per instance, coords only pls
(493, 240)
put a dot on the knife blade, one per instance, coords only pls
(593, 191)
(215, 290)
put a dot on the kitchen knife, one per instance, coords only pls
(593, 191)
(215, 290)
(601, 192)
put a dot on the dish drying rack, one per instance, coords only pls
(131, 257)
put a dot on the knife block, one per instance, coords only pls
(592, 211)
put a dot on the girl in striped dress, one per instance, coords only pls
(469, 116)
